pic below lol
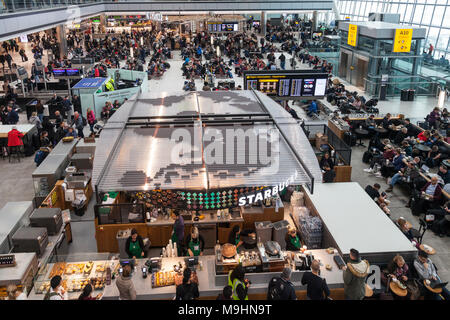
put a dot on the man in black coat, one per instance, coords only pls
(13, 117)
(281, 288)
(373, 192)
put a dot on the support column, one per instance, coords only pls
(263, 23)
(314, 22)
(62, 40)
(102, 27)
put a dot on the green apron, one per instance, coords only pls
(236, 242)
(135, 249)
(295, 241)
(195, 248)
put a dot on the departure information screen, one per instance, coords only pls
(287, 85)
(214, 26)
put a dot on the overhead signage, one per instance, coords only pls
(352, 34)
(266, 193)
(291, 85)
(402, 40)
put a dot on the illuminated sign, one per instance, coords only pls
(352, 33)
(295, 84)
(402, 40)
(266, 193)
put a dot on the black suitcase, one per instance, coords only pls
(416, 209)
(367, 156)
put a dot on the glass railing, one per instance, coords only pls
(10, 6)
(422, 85)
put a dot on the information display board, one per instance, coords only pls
(66, 72)
(352, 34)
(287, 85)
(220, 26)
(402, 40)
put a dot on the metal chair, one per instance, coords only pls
(15, 151)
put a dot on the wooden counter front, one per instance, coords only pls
(259, 214)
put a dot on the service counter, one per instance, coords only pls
(159, 231)
(210, 284)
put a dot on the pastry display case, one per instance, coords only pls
(76, 272)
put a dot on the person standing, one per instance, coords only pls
(238, 283)
(178, 232)
(91, 119)
(76, 104)
(13, 117)
(317, 288)
(56, 291)
(281, 288)
(40, 110)
(68, 108)
(195, 243)
(188, 290)
(134, 246)
(125, 285)
(354, 275)
(282, 61)
(78, 122)
(15, 293)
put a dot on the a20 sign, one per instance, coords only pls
(402, 40)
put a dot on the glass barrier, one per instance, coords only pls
(9, 6)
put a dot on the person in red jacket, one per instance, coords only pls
(15, 138)
(91, 119)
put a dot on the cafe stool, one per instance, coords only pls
(15, 152)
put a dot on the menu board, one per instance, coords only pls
(214, 26)
(287, 85)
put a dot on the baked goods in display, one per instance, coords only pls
(88, 267)
(163, 278)
(58, 269)
(228, 250)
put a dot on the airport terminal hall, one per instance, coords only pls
(225, 150)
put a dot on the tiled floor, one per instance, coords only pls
(17, 183)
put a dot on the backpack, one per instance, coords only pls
(276, 289)
(366, 157)
(39, 157)
(49, 294)
(84, 121)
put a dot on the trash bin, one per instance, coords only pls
(263, 231)
(122, 236)
(411, 94)
(279, 232)
(79, 206)
(404, 95)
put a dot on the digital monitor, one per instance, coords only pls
(59, 72)
(73, 72)
(287, 85)
(214, 26)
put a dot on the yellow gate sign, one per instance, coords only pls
(352, 32)
(402, 40)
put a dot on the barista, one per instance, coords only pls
(242, 238)
(293, 239)
(235, 237)
(195, 243)
(134, 245)
(178, 231)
